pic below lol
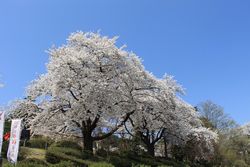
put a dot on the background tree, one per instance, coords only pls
(234, 149)
(213, 115)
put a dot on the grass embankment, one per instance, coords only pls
(69, 154)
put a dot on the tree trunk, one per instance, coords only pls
(165, 147)
(151, 149)
(88, 145)
(88, 142)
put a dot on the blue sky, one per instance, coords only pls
(204, 44)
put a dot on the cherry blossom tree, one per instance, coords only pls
(163, 113)
(154, 109)
(24, 109)
(89, 84)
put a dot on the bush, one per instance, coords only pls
(240, 163)
(119, 161)
(67, 144)
(102, 153)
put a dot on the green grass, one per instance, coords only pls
(68, 156)
(31, 153)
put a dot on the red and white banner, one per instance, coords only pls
(1, 130)
(15, 135)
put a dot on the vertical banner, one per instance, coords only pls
(15, 135)
(1, 130)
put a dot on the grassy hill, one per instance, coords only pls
(69, 154)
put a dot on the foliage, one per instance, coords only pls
(232, 149)
(235, 148)
(240, 163)
(119, 161)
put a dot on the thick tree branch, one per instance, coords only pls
(94, 123)
(126, 117)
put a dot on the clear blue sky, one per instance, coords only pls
(204, 44)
